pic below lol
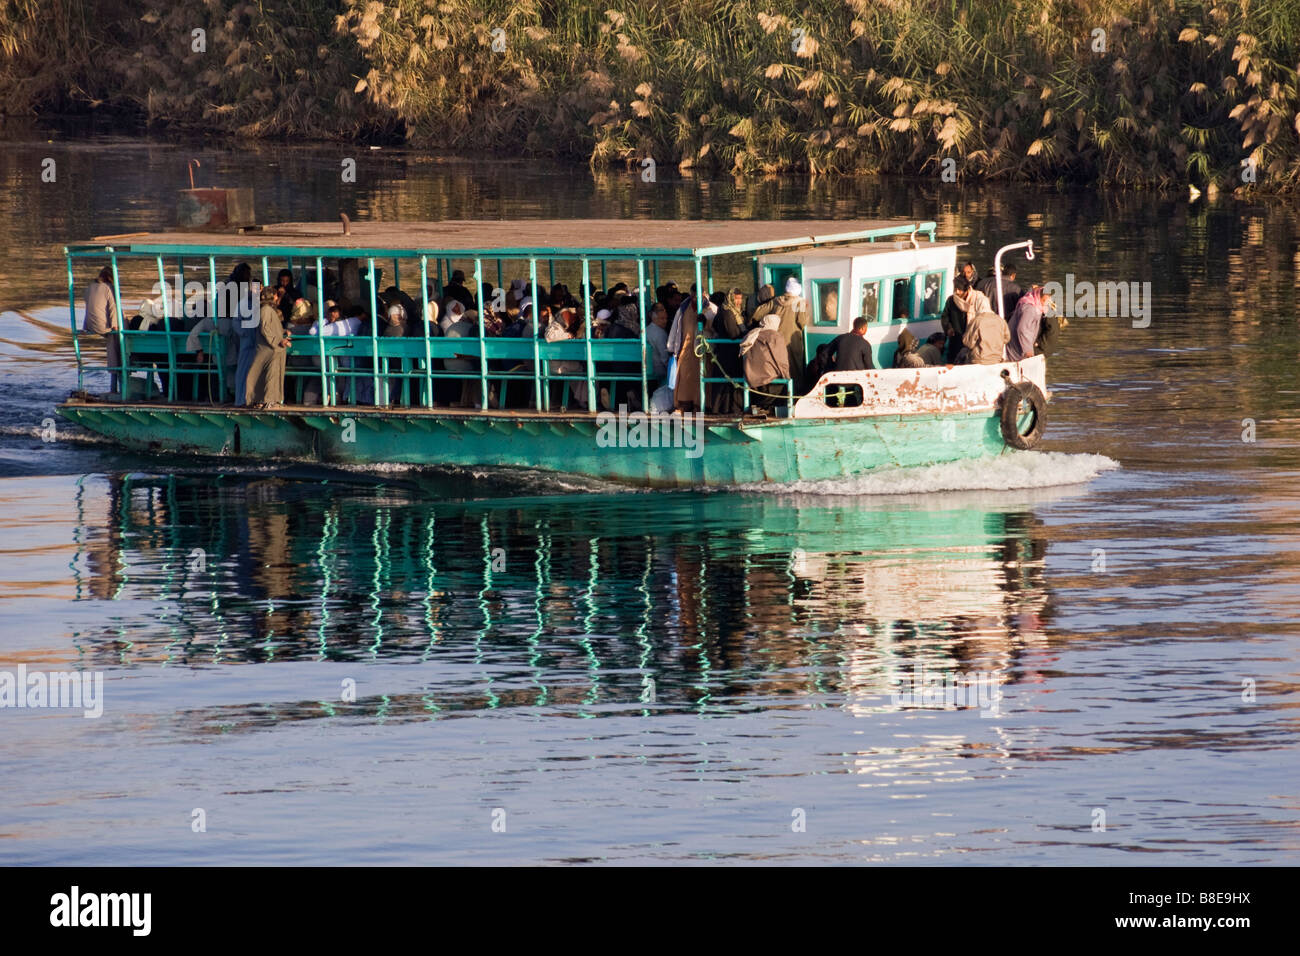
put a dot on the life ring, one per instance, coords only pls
(1011, 399)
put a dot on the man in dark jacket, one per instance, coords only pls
(852, 350)
(1011, 292)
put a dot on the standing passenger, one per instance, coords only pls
(1026, 322)
(963, 303)
(102, 319)
(1011, 291)
(246, 323)
(792, 310)
(265, 386)
(986, 337)
(766, 359)
(852, 351)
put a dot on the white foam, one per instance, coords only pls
(1010, 470)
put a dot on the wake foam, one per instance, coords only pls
(1008, 471)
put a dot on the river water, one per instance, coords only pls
(394, 666)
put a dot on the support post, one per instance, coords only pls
(320, 332)
(645, 317)
(424, 324)
(121, 321)
(167, 327)
(72, 321)
(218, 359)
(586, 310)
(374, 335)
(699, 321)
(538, 399)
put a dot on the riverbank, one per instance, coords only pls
(1142, 95)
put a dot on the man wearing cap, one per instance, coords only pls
(792, 309)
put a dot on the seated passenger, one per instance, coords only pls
(302, 317)
(564, 327)
(823, 361)
(932, 350)
(766, 359)
(656, 336)
(986, 337)
(906, 355)
(464, 327)
(394, 323)
(415, 328)
(627, 319)
(852, 351)
(289, 293)
(452, 312)
(393, 295)
(455, 291)
(335, 324)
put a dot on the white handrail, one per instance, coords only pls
(1028, 246)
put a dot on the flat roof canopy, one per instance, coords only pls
(515, 239)
(853, 250)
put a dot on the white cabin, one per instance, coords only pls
(895, 285)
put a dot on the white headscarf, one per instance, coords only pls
(792, 286)
(455, 309)
(769, 321)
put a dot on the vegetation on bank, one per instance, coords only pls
(1162, 92)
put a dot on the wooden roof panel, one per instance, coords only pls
(689, 237)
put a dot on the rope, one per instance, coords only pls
(703, 347)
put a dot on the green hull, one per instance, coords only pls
(731, 452)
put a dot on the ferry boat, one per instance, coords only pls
(894, 273)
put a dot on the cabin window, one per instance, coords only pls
(930, 293)
(777, 274)
(826, 301)
(869, 304)
(842, 395)
(902, 300)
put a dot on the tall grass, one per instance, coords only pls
(1199, 91)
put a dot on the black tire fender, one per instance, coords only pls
(1011, 400)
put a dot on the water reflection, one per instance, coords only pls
(596, 603)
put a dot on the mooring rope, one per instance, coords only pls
(703, 347)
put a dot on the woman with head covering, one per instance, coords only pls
(1026, 322)
(265, 385)
(561, 329)
(907, 356)
(766, 359)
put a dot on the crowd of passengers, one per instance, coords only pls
(752, 341)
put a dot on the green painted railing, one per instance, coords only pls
(341, 362)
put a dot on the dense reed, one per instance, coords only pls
(1155, 93)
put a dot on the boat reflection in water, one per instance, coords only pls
(590, 604)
